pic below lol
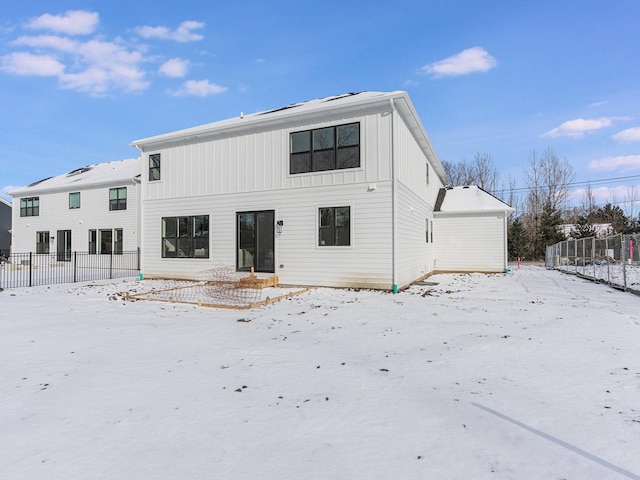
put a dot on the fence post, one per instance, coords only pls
(75, 266)
(623, 259)
(30, 268)
(111, 266)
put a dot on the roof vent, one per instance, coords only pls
(39, 181)
(78, 171)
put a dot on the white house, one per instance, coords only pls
(338, 191)
(92, 209)
(472, 231)
(5, 227)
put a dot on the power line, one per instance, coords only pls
(574, 184)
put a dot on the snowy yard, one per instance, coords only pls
(532, 374)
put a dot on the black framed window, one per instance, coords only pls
(118, 198)
(154, 167)
(74, 200)
(185, 237)
(93, 242)
(427, 229)
(42, 242)
(30, 207)
(106, 241)
(322, 149)
(334, 226)
(117, 241)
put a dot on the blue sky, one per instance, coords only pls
(80, 80)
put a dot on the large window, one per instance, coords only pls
(154, 167)
(42, 242)
(334, 226)
(185, 237)
(106, 241)
(118, 198)
(117, 241)
(331, 148)
(74, 200)
(30, 207)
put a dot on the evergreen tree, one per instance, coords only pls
(613, 215)
(517, 240)
(583, 229)
(548, 231)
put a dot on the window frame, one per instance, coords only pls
(311, 148)
(332, 230)
(188, 235)
(43, 239)
(72, 195)
(155, 167)
(93, 241)
(30, 207)
(119, 202)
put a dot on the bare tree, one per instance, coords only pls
(588, 203)
(485, 173)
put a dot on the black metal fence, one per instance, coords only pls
(31, 269)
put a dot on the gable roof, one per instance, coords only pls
(90, 176)
(4, 202)
(468, 199)
(289, 114)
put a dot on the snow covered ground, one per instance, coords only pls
(531, 374)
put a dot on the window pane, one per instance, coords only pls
(74, 200)
(342, 216)
(93, 241)
(348, 135)
(326, 217)
(169, 247)
(201, 247)
(169, 227)
(300, 142)
(348, 157)
(105, 241)
(201, 226)
(300, 163)
(113, 193)
(185, 246)
(323, 138)
(185, 227)
(323, 160)
(154, 167)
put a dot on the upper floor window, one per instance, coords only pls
(30, 207)
(118, 198)
(74, 200)
(331, 148)
(154, 167)
(334, 226)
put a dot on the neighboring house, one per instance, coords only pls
(472, 231)
(338, 191)
(5, 227)
(91, 209)
(601, 229)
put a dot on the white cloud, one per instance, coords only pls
(181, 34)
(471, 60)
(73, 22)
(629, 135)
(175, 67)
(621, 163)
(578, 127)
(598, 104)
(54, 42)
(199, 88)
(25, 63)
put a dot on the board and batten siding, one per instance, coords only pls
(299, 260)
(93, 213)
(470, 243)
(257, 160)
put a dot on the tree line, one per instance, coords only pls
(543, 206)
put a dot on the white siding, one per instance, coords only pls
(471, 243)
(298, 258)
(258, 161)
(93, 213)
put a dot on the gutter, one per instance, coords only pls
(394, 203)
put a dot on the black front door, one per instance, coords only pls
(64, 246)
(255, 241)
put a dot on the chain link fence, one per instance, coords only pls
(31, 269)
(614, 260)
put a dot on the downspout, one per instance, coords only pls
(394, 203)
(140, 231)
